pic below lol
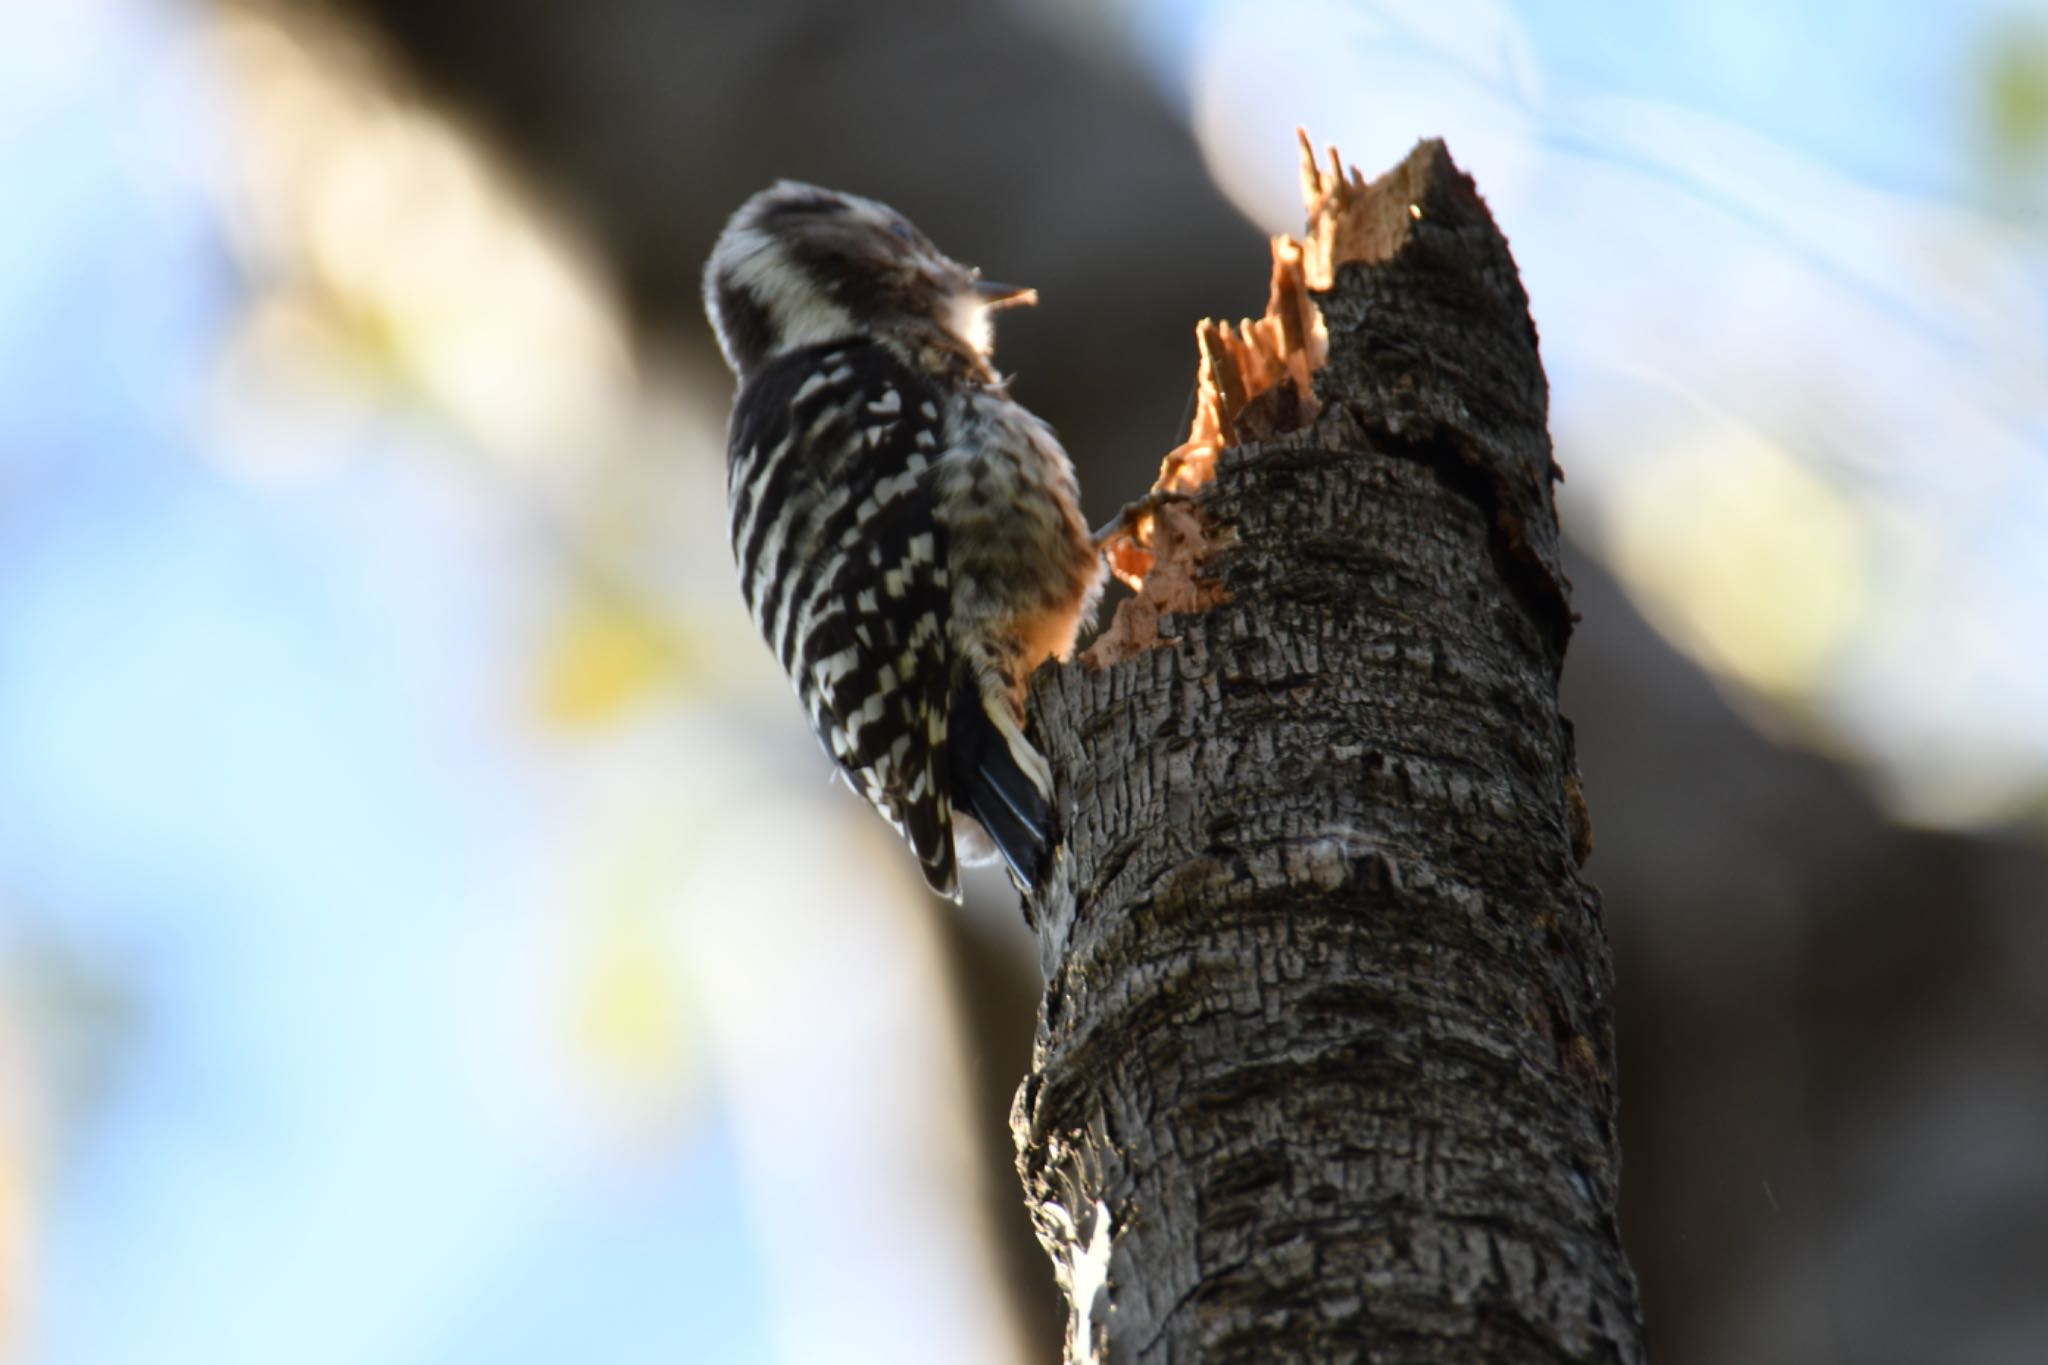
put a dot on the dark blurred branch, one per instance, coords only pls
(648, 121)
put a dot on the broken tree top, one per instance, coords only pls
(1256, 377)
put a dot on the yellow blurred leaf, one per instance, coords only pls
(2017, 95)
(630, 1018)
(606, 656)
(1751, 563)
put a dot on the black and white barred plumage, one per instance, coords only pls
(909, 539)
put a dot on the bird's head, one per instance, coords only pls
(798, 265)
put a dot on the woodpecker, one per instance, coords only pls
(909, 538)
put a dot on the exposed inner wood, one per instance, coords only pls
(1256, 380)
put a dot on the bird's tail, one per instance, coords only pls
(1001, 780)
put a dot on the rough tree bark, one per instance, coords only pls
(1324, 1069)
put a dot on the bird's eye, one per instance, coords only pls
(904, 230)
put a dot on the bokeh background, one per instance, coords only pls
(428, 932)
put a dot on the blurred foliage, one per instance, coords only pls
(607, 653)
(1786, 554)
(403, 255)
(2018, 94)
(631, 1007)
(2014, 112)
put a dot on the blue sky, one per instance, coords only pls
(244, 798)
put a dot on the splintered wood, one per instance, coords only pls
(1255, 375)
(1255, 381)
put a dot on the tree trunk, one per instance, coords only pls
(1324, 1069)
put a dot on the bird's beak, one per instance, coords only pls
(995, 295)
